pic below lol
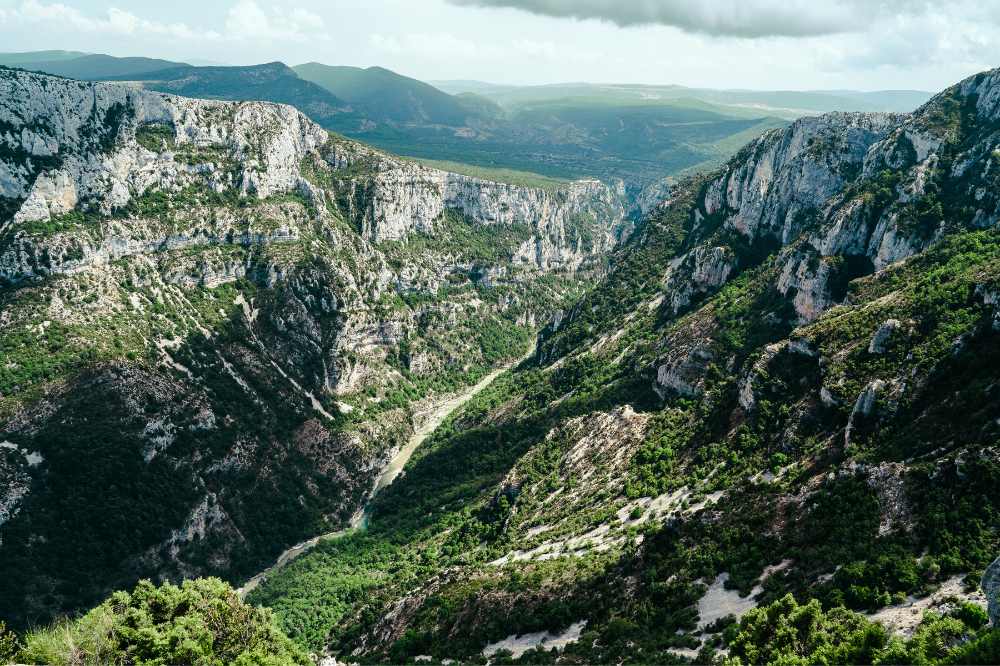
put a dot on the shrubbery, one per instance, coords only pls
(787, 633)
(202, 622)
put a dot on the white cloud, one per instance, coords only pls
(116, 21)
(438, 44)
(248, 20)
(958, 35)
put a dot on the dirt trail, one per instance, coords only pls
(389, 473)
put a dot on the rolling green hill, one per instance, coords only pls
(387, 96)
(270, 82)
(88, 67)
(18, 59)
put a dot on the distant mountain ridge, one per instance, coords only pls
(269, 82)
(638, 134)
(386, 95)
(783, 102)
(87, 67)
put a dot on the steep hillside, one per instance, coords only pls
(270, 82)
(786, 384)
(218, 322)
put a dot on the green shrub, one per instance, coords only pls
(788, 633)
(155, 136)
(202, 622)
(8, 644)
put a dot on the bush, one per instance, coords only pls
(788, 633)
(202, 622)
(8, 644)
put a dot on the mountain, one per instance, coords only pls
(387, 96)
(272, 82)
(572, 137)
(17, 59)
(634, 140)
(639, 142)
(760, 426)
(638, 134)
(782, 394)
(784, 103)
(220, 322)
(86, 66)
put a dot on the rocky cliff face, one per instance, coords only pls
(837, 197)
(215, 317)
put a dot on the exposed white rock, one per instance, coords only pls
(877, 345)
(903, 618)
(517, 645)
(684, 374)
(718, 602)
(864, 406)
(991, 588)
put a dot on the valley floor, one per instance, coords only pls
(428, 421)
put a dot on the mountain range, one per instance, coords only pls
(638, 134)
(378, 411)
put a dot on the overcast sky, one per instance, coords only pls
(772, 44)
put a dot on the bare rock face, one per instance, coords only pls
(864, 406)
(74, 142)
(882, 336)
(398, 198)
(991, 588)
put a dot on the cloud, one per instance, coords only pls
(445, 46)
(116, 21)
(958, 35)
(440, 44)
(731, 18)
(245, 21)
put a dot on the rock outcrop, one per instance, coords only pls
(991, 588)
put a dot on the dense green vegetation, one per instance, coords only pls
(455, 234)
(155, 136)
(788, 633)
(202, 622)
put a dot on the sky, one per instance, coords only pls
(760, 44)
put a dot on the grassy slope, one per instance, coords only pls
(97, 67)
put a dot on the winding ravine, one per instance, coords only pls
(389, 473)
